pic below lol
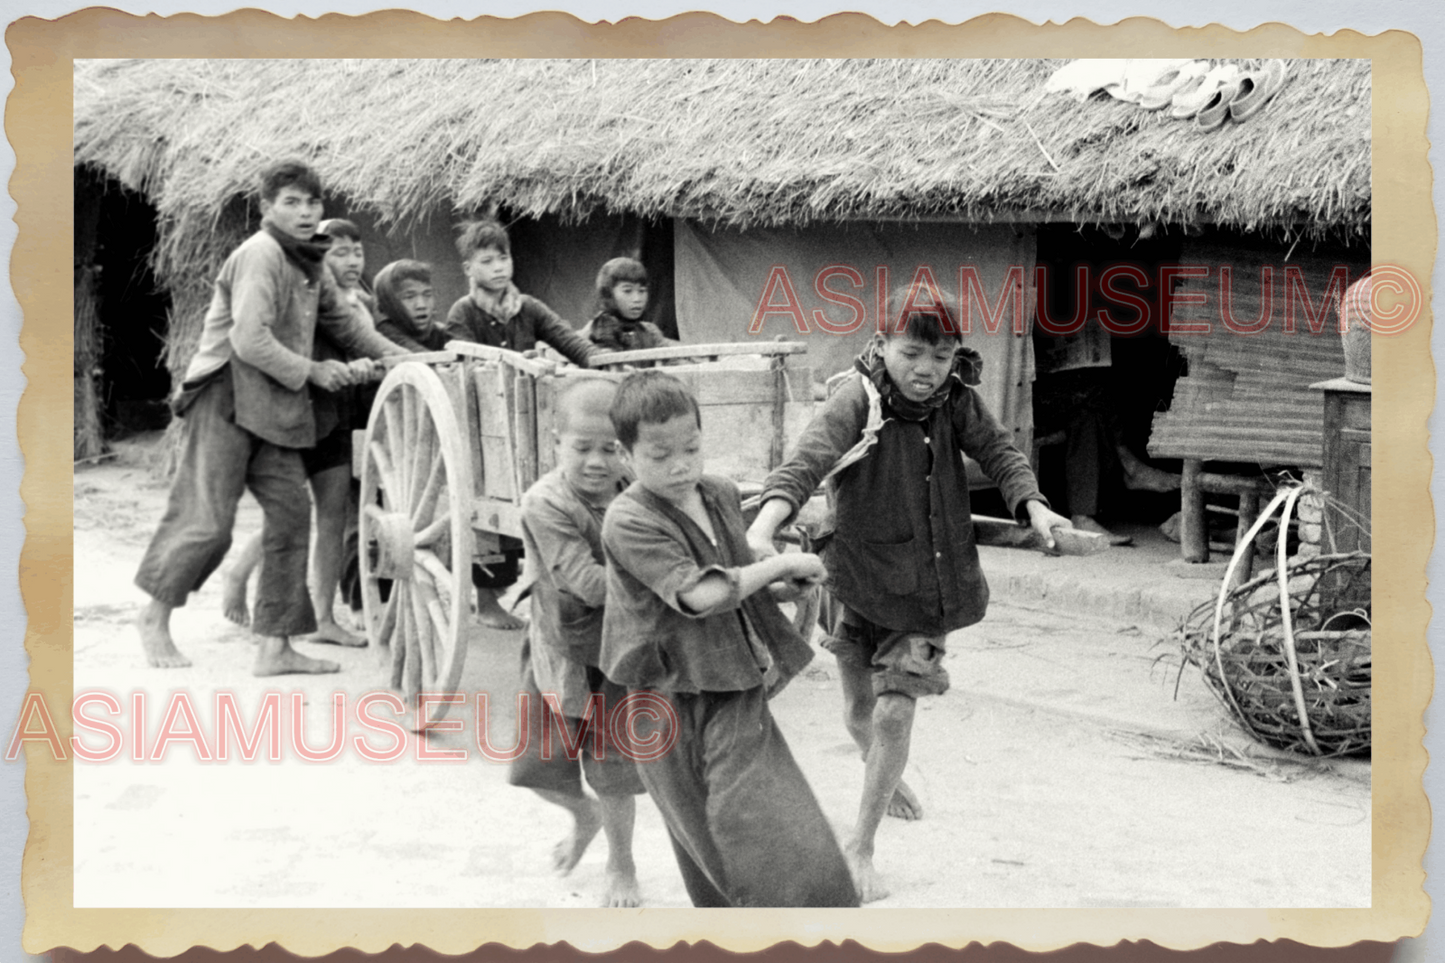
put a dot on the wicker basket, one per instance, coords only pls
(1296, 676)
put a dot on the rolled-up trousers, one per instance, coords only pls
(219, 462)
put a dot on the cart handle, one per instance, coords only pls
(536, 367)
(708, 351)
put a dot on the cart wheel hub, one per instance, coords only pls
(394, 545)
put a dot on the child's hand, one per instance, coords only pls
(787, 591)
(1044, 520)
(329, 375)
(804, 568)
(364, 370)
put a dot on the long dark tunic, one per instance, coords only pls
(903, 554)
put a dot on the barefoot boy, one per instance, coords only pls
(686, 620)
(328, 463)
(495, 313)
(622, 289)
(248, 414)
(562, 532)
(903, 566)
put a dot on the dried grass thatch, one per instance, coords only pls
(737, 142)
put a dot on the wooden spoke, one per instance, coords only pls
(423, 635)
(411, 667)
(445, 580)
(428, 536)
(418, 454)
(387, 481)
(398, 640)
(423, 507)
(395, 416)
(433, 607)
(388, 619)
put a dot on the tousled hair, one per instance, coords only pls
(615, 272)
(473, 236)
(649, 398)
(335, 227)
(288, 173)
(929, 323)
(584, 394)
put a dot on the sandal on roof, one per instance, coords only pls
(1171, 83)
(1191, 99)
(1256, 88)
(1212, 114)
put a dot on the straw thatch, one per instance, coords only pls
(736, 142)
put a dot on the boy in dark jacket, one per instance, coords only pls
(248, 415)
(494, 312)
(622, 289)
(690, 631)
(903, 567)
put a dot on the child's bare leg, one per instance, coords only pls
(858, 705)
(618, 815)
(233, 586)
(332, 490)
(274, 656)
(154, 625)
(888, 755)
(586, 820)
(491, 613)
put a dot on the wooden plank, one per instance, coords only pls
(494, 433)
(524, 430)
(498, 516)
(546, 396)
(762, 349)
(485, 352)
(461, 388)
(780, 400)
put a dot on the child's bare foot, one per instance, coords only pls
(1141, 477)
(865, 877)
(272, 659)
(490, 613)
(233, 599)
(154, 627)
(904, 804)
(328, 631)
(622, 891)
(568, 853)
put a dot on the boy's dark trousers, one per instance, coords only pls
(219, 461)
(744, 825)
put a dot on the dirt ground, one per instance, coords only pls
(1059, 771)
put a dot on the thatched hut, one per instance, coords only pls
(718, 172)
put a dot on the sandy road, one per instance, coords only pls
(1059, 771)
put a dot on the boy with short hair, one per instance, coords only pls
(248, 414)
(328, 462)
(686, 623)
(562, 532)
(493, 311)
(622, 289)
(903, 566)
(406, 304)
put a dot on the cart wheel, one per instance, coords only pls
(415, 533)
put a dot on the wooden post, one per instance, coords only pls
(1193, 530)
(780, 407)
(1248, 514)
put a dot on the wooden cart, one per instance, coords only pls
(454, 439)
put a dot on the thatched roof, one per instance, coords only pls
(741, 142)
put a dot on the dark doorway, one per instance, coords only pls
(115, 234)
